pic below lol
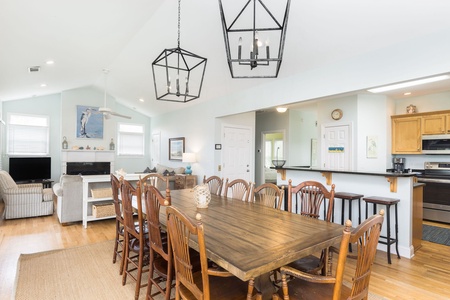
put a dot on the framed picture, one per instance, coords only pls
(176, 148)
(89, 122)
(372, 146)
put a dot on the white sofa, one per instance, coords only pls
(69, 191)
(24, 200)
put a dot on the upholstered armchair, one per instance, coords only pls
(24, 200)
(69, 206)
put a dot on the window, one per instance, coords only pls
(28, 134)
(130, 139)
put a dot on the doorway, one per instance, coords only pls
(337, 147)
(273, 148)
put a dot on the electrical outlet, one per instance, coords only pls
(219, 168)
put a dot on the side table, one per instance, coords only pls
(183, 181)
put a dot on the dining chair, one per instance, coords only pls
(135, 237)
(215, 184)
(239, 188)
(208, 283)
(310, 197)
(157, 180)
(307, 286)
(268, 194)
(160, 264)
(119, 239)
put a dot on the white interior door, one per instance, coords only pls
(236, 153)
(156, 149)
(336, 147)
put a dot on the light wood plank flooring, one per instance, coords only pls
(425, 276)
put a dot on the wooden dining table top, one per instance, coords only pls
(249, 239)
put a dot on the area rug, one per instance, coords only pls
(436, 234)
(85, 272)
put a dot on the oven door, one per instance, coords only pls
(436, 199)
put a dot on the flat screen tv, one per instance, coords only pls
(30, 168)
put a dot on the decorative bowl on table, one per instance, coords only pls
(278, 163)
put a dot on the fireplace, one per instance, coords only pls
(88, 168)
(87, 162)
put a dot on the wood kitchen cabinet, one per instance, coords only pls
(436, 124)
(406, 135)
(185, 181)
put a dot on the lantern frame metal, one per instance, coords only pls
(234, 58)
(179, 63)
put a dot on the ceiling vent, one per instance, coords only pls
(34, 69)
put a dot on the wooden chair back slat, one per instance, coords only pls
(268, 194)
(239, 188)
(215, 184)
(153, 200)
(180, 228)
(311, 196)
(157, 180)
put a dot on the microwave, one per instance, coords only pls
(436, 144)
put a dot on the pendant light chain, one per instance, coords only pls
(179, 17)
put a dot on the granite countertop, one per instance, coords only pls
(304, 168)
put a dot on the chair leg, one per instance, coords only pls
(139, 271)
(396, 230)
(125, 258)
(116, 246)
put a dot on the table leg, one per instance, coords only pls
(265, 286)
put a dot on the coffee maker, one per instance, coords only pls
(399, 164)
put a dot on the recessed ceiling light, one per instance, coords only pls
(408, 84)
(407, 94)
(43, 85)
(49, 62)
(281, 109)
(142, 100)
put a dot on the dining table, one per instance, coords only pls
(249, 239)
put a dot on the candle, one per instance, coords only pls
(240, 48)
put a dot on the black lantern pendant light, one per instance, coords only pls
(177, 73)
(254, 36)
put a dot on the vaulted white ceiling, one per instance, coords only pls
(84, 36)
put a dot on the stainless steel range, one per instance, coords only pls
(436, 192)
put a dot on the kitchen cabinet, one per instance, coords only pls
(406, 135)
(436, 124)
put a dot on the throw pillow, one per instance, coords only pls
(166, 173)
(153, 170)
(147, 170)
(172, 173)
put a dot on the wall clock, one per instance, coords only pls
(337, 114)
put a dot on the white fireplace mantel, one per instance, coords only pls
(86, 156)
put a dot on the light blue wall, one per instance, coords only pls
(63, 119)
(49, 105)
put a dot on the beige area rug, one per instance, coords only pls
(85, 272)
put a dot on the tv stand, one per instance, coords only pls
(45, 182)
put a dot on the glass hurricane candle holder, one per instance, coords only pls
(202, 195)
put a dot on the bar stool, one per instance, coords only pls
(387, 202)
(350, 197)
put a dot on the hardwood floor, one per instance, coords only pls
(425, 276)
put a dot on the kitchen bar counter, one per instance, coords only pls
(327, 173)
(383, 184)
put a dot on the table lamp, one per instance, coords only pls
(188, 158)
